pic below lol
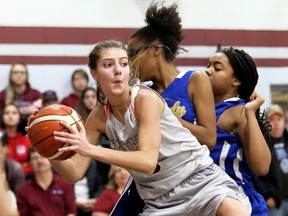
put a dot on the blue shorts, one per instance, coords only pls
(257, 201)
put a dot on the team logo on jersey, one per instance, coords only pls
(178, 110)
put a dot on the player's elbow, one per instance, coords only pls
(262, 171)
(210, 141)
(150, 167)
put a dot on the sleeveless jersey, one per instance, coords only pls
(228, 152)
(179, 156)
(177, 97)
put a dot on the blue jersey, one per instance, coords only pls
(228, 152)
(229, 155)
(177, 97)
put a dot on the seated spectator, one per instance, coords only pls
(8, 204)
(93, 183)
(87, 102)
(19, 143)
(90, 187)
(14, 172)
(105, 203)
(79, 81)
(49, 97)
(19, 92)
(273, 186)
(46, 193)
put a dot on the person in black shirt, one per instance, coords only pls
(274, 185)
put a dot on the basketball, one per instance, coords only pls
(44, 123)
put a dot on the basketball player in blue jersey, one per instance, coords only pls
(241, 148)
(152, 50)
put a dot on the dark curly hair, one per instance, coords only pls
(163, 24)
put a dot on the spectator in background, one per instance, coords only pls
(46, 193)
(8, 203)
(19, 143)
(49, 97)
(79, 81)
(274, 185)
(87, 102)
(118, 178)
(19, 92)
(286, 118)
(93, 183)
(14, 172)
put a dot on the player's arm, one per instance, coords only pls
(200, 91)
(148, 108)
(75, 168)
(256, 149)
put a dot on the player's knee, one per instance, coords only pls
(231, 207)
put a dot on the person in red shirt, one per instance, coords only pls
(19, 91)
(79, 81)
(19, 143)
(105, 203)
(46, 193)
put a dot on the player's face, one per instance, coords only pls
(112, 72)
(11, 116)
(221, 74)
(141, 58)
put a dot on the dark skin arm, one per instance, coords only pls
(242, 121)
(201, 95)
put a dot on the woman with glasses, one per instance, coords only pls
(19, 91)
(152, 50)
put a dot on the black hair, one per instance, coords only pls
(245, 70)
(163, 25)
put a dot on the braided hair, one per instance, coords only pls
(246, 72)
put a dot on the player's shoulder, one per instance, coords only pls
(199, 75)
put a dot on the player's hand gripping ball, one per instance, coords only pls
(44, 123)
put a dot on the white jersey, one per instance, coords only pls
(180, 154)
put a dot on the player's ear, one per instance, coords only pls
(93, 74)
(236, 82)
(157, 50)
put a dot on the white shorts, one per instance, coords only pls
(199, 195)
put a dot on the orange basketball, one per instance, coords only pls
(44, 123)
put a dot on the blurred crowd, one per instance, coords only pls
(28, 179)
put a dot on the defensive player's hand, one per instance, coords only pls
(256, 100)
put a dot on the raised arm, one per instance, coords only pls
(256, 149)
